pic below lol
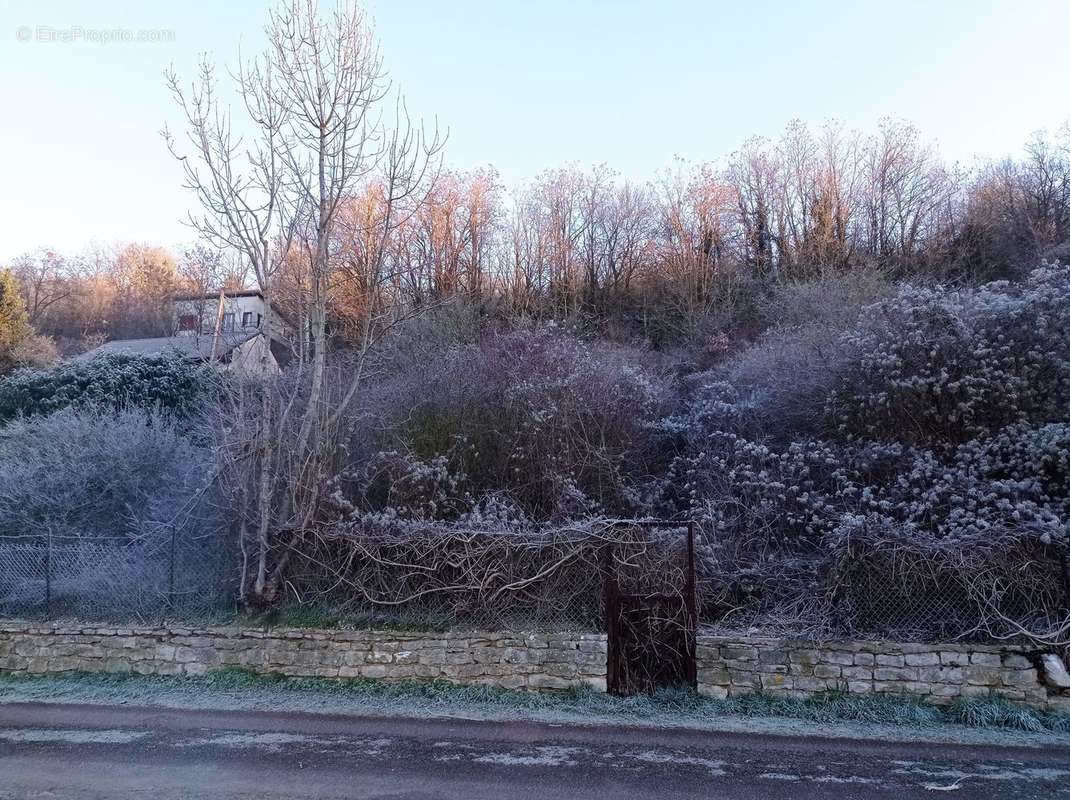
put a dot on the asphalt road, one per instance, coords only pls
(88, 752)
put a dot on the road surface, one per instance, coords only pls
(117, 752)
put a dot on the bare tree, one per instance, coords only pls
(314, 104)
(46, 279)
(241, 186)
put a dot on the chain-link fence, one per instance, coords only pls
(549, 580)
(113, 578)
(898, 589)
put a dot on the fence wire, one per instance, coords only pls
(113, 578)
(546, 581)
(893, 592)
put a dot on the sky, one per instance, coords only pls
(522, 85)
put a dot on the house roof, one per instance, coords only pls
(192, 347)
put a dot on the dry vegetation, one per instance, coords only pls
(846, 361)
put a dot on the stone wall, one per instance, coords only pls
(513, 660)
(938, 673)
(508, 660)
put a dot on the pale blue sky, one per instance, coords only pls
(525, 86)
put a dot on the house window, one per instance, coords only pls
(247, 319)
(228, 322)
(187, 322)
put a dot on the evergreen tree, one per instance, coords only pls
(14, 322)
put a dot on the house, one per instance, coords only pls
(230, 328)
(240, 311)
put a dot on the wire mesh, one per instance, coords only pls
(113, 578)
(544, 581)
(892, 593)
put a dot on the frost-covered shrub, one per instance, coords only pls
(408, 487)
(1017, 479)
(80, 472)
(937, 367)
(556, 427)
(775, 389)
(113, 380)
(114, 513)
(793, 495)
(833, 300)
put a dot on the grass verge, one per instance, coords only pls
(681, 706)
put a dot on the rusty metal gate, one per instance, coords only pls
(651, 628)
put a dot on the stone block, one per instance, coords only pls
(1020, 677)
(117, 665)
(985, 659)
(983, 675)
(809, 657)
(718, 676)
(921, 659)
(740, 653)
(1016, 661)
(776, 681)
(548, 682)
(941, 674)
(946, 690)
(895, 674)
(773, 656)
(747, 679)
(837, 657)
(855, 673)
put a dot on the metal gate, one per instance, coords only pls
(650, 628)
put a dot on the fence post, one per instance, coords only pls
(48, 576)
(171, 573)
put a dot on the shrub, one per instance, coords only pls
(558, 428)
(114, 380)
(833, 300)
(942, 367)
(117, 509)
(86, 473)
